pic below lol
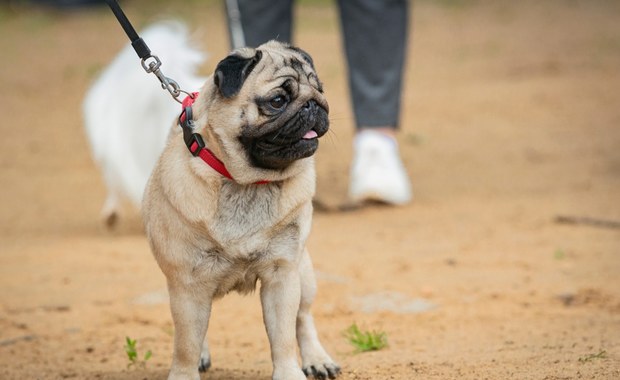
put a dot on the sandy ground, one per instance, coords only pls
(511, 117)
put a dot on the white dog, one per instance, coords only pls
(128, 115)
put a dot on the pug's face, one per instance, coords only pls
(271, 102)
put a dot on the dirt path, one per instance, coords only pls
(511, 118)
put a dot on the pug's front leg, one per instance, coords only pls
(315, 360)
(280, 294)
(190, 312)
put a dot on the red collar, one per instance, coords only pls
(196, 144)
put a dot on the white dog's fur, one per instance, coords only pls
(128, 115)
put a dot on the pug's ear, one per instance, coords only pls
(232, 71)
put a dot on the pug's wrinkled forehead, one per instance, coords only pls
(271, 62)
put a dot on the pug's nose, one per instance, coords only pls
(310, 105)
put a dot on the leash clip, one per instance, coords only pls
(152, 64)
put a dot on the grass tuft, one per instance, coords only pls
(132, 353)
(364, 341)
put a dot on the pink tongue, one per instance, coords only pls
(310, 135)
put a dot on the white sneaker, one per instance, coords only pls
(377, 173)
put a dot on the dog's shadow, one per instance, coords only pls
(162, 374)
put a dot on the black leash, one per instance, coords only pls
(150, 62)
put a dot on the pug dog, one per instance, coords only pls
(243, 215)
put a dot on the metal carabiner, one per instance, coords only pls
(152, 64)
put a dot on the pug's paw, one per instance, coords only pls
(329, 370)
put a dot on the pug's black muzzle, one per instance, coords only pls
(297, 138)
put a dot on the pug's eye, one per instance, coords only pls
(278, 102)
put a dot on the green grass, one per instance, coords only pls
(131, 350)
(559, 254)
(590, 357)
(365, 341)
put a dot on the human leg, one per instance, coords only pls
(259, 20)
(375, 40)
